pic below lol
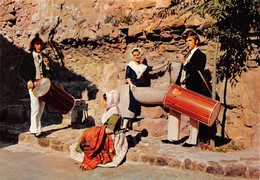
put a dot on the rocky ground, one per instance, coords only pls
(145, 150)
(34, 163)
(89, 44)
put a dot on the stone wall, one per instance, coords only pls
(89, 43)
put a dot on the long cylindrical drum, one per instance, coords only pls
(197, 106)
(54, 96)
(149, 95)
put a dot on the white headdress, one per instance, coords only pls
(135, 49)
(113, 98)
(140, 68)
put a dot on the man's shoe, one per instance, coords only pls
(38, 135)
(125, 129)
(188, 145)
(170, 142)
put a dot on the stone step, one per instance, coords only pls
(55, 137)
(235, 164)
(50, 143)
(151, 150)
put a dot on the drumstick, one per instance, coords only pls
(170, 72)
(184, 50)
(170, 64)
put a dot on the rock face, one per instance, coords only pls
(243, 114)
(89, 43)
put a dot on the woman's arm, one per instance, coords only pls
(127, 77)
(128, 80)
(161, 66)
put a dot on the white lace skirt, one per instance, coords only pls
(125, 102)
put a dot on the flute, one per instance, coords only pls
(184, 50)
(181, 52)
(170, 64)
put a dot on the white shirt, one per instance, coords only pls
(183, 74)
(37, 61)
(190, 55)
(37, 56)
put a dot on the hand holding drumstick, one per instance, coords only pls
(46, 62)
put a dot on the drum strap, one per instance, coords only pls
(61, 86)
(170, 71)
(204, 81)
(217, 121)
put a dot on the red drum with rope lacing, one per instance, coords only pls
(54, 96)
(197, 106)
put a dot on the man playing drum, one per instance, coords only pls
(190, 79)
(35, 66)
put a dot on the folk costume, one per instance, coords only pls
(129, 106)
(95, 147)
(33, 68)
(188, 78)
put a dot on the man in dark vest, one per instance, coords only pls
(188, 78)
(35, 66)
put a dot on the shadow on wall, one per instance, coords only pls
(14, 92)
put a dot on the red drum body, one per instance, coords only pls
(54, 96)
(197, 106)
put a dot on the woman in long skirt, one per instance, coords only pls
(130, 108)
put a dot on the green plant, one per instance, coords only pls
(127, 18)
(108, 19)
(43, 29)
(232, 146)
(236, 19)
(156, 44)
(165, 13)
(116, 23)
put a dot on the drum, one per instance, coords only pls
(54, 96)
(197, 106)
(149, 95)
